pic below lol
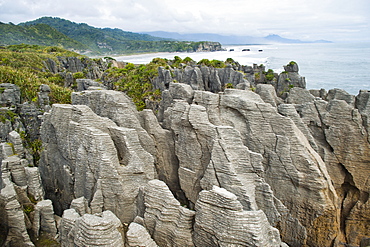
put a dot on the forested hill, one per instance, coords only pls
(38, 34)
(90, 40)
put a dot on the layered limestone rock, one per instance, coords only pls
(118, 107)
(292, 169)
(44, 219)
(340, 132)
(104, 229)
(89, 156)
(10, 94)
(12, 217)
(221, 221)
(169, 223)
(137, 235)
(290, 78)
(202, 78)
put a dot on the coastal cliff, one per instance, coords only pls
(230, 156)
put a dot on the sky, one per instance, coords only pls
(335, 20)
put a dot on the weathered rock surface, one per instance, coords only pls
(34, 184)
(137, 235)
(202, 78)
(340, 133)
(221, 221)
(119, 108)
(12, 215)
(304, 181)
(44, 219)
(268, 94)
(167, 221)
(290, 78)
(104, 229)
(90, 156)
(10, 94)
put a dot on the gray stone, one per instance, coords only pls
(87, 155)
(118, 107)
(104, 229)
(86, 84)
(167, 221)
(268, 94)
(10, 94)
(66, 235)
(44, 219)
(12, 212)
(299, 96)
(340, 94)
(237, 227)
(34, 184)
(81, 206)
(15, 139)
(15, 166)
(137, 235)
(166, 161)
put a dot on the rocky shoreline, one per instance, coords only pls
(232, 156)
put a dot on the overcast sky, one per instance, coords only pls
(336, 20)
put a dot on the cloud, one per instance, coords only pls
(316, 19)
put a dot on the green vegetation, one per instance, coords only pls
(212, 63)
(291, 63)
(84, 38)
(135, 81)
(269, 75)
(28, 208)
(38, 34)
(33, 146)
(23, 65)
(229, 85)
(7, 115)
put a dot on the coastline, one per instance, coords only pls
(328, 66)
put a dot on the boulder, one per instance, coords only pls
(85, 84)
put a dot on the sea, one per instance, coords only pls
(324, 65)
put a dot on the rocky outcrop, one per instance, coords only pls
(340, 134)
(202, 78)
(90, 156)
(221, 221)
(11, 214)
(281, 144)
(10, 94)
(207, 46)
(44, 219)
(289, 78)
(104, 229)
(235, 168)
(137, 235)
(169, 223)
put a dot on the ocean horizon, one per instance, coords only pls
(324, 65)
